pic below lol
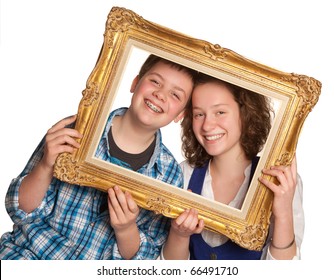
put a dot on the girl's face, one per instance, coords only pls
(216, 119)
(160, 96)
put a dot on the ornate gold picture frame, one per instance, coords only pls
(128, 34)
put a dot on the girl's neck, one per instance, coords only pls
(227, 174)
(229, 166)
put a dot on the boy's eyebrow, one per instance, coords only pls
(161, 77)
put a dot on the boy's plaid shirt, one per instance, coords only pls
(69, 224)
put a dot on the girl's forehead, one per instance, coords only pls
(210, 89)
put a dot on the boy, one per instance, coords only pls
(55, 220)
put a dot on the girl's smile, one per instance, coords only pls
(214, 137)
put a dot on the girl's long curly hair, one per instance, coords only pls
(255, 113)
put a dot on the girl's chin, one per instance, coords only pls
(213, 148)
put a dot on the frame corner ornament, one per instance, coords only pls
(120, 20)
(308, 89)
(67, 170)
(253, 236)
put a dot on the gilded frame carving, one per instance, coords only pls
(125, 30)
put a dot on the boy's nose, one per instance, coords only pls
(160, 95)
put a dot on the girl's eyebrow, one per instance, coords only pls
(213, 106)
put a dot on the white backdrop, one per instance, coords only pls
(49, 48)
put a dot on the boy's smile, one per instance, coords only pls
(153, 107)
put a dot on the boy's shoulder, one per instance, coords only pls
(167, 160)
(167, 155)
(170, 169)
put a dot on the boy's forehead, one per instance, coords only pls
(161, 65)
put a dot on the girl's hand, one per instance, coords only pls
(123, 210)
(284, 190)
(187, 223)
(59, 139)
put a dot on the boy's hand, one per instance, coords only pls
(34, 186)
(285, 189)
(59, 139)
(187, 223)
(123, 210)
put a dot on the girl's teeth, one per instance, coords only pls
(213, 137)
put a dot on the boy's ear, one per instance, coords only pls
(134, 84)
(179, 117)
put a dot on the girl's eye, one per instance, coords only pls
(221, 113)
(197, 115)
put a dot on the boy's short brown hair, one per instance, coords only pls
(153, 59)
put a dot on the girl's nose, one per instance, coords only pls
(208, 123)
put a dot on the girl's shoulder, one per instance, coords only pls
(187, 171)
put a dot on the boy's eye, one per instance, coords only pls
(221, 113)
(155, 82)
(176, 95)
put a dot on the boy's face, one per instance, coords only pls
(160, 96)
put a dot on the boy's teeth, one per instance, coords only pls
(154, 108)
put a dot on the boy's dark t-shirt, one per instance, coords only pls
(136, 161)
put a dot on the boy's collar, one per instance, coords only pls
(156, 157)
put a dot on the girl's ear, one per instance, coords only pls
(134, 84)
(179, 117)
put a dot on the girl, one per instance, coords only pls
(224, 129)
